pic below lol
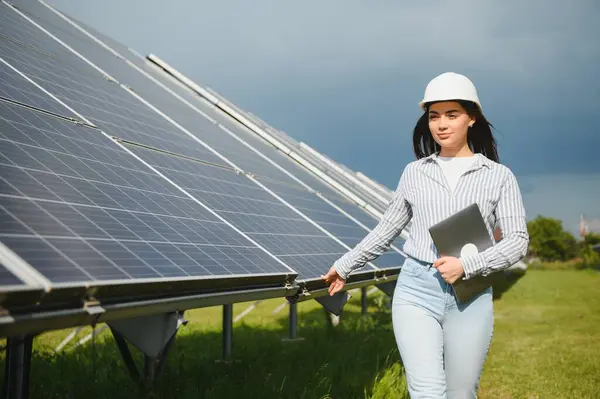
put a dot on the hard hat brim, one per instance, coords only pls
(423, 103)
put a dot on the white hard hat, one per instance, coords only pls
(450, 86)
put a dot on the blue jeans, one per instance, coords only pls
(443, 344)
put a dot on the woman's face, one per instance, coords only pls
(449, 122)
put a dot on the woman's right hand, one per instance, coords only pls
(335, 282)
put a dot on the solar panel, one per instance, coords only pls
(118, 113)
(120, 184)
(161, 208)
(335, 222)
(287, 140)
(272, 224)
(388, 259)
(205, 128)
(344, 228)
(189, 119)
(348, 207)
(207, 131)
(348, 231)
(79, 208)
(198, 126)
(382, 189)
(340, 177)
(102, 102)
(364, 195)
(364, 218)
(301, 149)
(7, 278)
(301, 172)
(258, 167)
(15, 291)
(12, 89)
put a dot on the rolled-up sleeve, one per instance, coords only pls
(378, 241)
(510, 214)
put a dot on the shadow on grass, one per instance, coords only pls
(506, 283)
(330, 362)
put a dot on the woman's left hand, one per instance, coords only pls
(450, 268)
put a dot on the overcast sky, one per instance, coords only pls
(346, 76)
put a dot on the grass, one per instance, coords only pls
(546, 345)
(547, 338)
(574, 264)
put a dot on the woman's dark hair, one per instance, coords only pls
(479, 136)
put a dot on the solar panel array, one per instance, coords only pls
(337, 172)
(113, 174)
(377, 199)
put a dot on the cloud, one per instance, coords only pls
(338, 39)
(531, 54)
(529, 59)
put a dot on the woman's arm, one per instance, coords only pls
(395, 218)
(510, 214)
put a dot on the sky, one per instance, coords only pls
(346, 76)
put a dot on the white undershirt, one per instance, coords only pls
(454, 167)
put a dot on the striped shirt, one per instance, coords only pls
(424, 197)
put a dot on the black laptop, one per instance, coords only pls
(465, 233)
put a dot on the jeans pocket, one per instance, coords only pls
(411, 268)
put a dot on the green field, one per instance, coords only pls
(546, 345)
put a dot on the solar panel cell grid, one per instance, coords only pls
(321, 212)
(388, 259)
(78, 85)
(209, 133)
(7, 278)
(338, 224)
(345, 181)
(83, 209)
(113, 205)
(254, 211)
(11, 89)
(202, 127)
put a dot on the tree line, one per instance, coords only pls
(550, 242)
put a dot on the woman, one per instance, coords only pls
(443, 344)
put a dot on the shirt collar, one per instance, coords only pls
(480, 160)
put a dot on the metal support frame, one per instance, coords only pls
(14, 324)
(126, 354)
(364, 304)
(227, 331)
(17, 367)
(153, 366)
(293, 320)
(153, 336)
(293, 324)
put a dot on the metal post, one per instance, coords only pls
(293, 320)
(163, 358)
(126, 354)
(17, 367)
(292, 324)
(227, 330)
(149, 368)
(363, 300)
